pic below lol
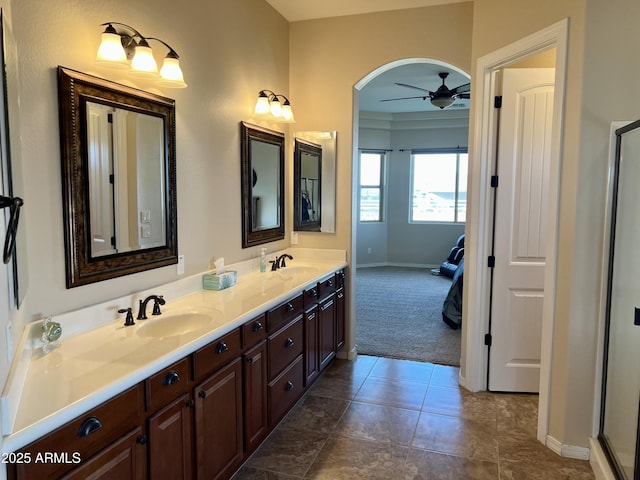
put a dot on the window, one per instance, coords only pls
(439, 186)
(371, 185)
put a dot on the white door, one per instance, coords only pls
(521, 213)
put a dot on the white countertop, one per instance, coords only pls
(93, 366)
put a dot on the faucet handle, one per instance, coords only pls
(129, 319)
(156, 305)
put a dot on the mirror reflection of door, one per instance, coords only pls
(126, 180)
(307, 174)
(265, 162)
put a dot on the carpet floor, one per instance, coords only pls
(399, 315)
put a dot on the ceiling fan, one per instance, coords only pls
(442, 97)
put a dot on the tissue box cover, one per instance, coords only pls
(219, 281)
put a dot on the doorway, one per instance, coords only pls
(398, 121)
(474, 351)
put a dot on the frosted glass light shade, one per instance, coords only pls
(171, 74)
(143, 63)
(111, 52)
(262, 105)
(287, 114)
(275, 107)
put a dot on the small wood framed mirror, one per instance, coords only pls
(307, 186)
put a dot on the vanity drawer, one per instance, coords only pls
(310, 297)
(284, 313)
(326, 287)
(285, 390)
(167, 384)
(253, 331)
(216, 354)
(284, 346)
(84, 436)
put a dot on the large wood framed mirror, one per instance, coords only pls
(307, 186)
(262, 162)
(119, 178)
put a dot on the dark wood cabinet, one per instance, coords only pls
(170, 440)
(124, 459)
(327, 331)
(311, 359)
(340, 319)
(218, 423)
(256, 427)
(203, 415)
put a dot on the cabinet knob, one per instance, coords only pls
(329, 283)
(190, 403)
(289, 386)
(171, 378)
(89, 426)
(257, 326)
(289, 307)
(202, 394)
(142, 439)
(250, 360)
(289, 342)
(314, 292)
(221, 348)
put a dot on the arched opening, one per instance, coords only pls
(404, 227)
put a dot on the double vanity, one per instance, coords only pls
(189, 393)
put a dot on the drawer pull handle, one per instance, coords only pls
(289, 342)
(142, 439)
(289, 307)
(89, 426)
(289, 386)
(257, 326)
(221, 348)
(171, 378)
(202, 394)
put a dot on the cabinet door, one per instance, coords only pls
(170, 440)
(311, 362)
(340, 319)
(124, 459)
(255, 395)
(327, 331)
(218, 425)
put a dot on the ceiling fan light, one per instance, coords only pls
(442, 102)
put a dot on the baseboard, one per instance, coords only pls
(599, 462)
(569, 451)
(348, 354)
(394, 264)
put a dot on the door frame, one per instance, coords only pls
(479, 228)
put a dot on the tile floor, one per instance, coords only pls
(380, 418)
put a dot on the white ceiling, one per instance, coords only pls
(421, 75)
(295, 10)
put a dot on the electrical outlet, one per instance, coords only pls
(180, 265)
(294, 238)
(369, 250)
(9, 344)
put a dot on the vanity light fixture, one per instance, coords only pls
(118, 46)
(269, 103)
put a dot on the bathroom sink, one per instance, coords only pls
(175, 324)
(287, 273)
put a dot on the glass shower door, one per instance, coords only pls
(621, 381)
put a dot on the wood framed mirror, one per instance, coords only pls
(262, 170)
(118, 177)
(307, 186)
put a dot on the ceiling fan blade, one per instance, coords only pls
(462, 88)
(464, 95)
(415, 88)
(424, 97)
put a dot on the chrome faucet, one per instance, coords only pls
(279, 262)
(157, 301)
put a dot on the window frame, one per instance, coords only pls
(458, 151)
(381, 187)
